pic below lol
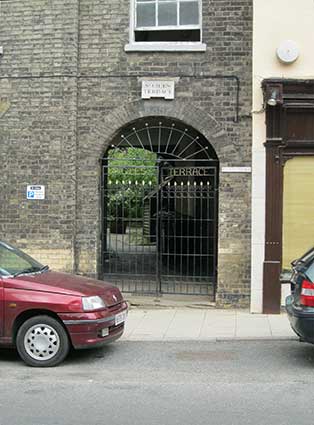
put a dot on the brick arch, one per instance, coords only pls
(200, 120)
(92, 148)
(194, 130)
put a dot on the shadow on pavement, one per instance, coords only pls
(280, 355)
(9, 355)
(75, 357)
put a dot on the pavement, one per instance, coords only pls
(155, 320)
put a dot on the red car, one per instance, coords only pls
(43, 313)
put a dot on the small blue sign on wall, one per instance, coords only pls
(35, 192)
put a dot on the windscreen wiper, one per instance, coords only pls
(27, 271)
(44, 268)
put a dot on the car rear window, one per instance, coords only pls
(310, 272)
(306, 258)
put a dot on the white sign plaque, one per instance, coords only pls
(236, 169)
(35, 192)
(158, 88)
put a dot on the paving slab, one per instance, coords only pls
(154, 323)
(278, 325)
(185, 323)
(251, 325)
(219, 323)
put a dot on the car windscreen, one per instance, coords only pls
(13, 261)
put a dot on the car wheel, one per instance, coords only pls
(42, 341)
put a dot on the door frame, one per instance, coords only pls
(282, 144)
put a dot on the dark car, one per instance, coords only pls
(300, 304)
(44, 313)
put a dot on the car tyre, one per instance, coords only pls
(42, 341)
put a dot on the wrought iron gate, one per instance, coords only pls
(160, 226)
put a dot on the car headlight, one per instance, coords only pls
(92, 303)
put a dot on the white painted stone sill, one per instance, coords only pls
(165, 47)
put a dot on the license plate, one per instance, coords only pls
(120, 318)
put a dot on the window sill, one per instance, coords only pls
(165, 47)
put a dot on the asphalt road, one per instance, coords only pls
(148, 383)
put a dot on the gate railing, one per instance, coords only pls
(160, 233)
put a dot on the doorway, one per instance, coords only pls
(160, 192)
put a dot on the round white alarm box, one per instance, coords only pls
(288, 51)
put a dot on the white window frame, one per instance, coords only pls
(197, 46)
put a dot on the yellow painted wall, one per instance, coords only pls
(275, 21)
(298, 208)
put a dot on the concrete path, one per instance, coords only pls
(170, 324)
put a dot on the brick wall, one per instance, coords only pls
(66, 88)
(38, 126)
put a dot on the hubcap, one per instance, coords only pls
(41, 342)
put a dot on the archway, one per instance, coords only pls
(159, 192)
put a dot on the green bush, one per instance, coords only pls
(126, 181)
